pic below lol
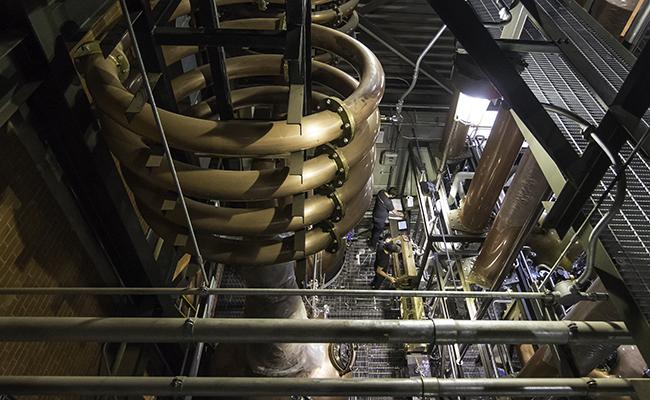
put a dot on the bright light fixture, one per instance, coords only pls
(470, 110)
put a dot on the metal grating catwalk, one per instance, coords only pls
(553, 80)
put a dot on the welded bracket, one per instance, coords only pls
(296, 103)
(141, 97)
(299, 239)
(298, 205)
(169, 203)
(296, 162)
(347, 127)
(329, 227)
(342, 168)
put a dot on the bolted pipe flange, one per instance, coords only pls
(348, 127)
(117, 56)
(339, 206)
(342, 168)
(329, 227)
(339, 16)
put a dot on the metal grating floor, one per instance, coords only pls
(554, 81)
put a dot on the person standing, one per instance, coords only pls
(382, 263)
(383, 205)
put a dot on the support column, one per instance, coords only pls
(492, 172)
(525, 193)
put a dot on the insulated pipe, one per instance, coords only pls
(277, 359)
(525, 193)
(460, 176)
(397, 387)
(492, 172)
(437, 331)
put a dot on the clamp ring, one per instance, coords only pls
(117, 56)
(329, 227)
(342, 168)
(347, 127)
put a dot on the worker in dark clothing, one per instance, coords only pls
(383, 205)
(382, 263)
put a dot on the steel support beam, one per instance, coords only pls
(619, 124)
(152, 55)
(527, 46)
(551, 22)
(209, 18)
(394, 46)
(209, 36)
(177, 330)
(471, 33)
(398, 387)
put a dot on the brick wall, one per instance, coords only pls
(39, 248)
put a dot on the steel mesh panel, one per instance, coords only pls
(230, 306)
(609, 64)
(554, 81)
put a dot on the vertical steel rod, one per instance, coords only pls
(154, 110)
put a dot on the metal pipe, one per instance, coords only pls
(416, 73)
(145, 291)
(398, 387)
(492, 172)
(526, 192)
(246, 137)
(606, 219)
(460, 176)
(595, 207)
(264, 330)
(163, 138)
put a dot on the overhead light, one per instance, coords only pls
(470, 110)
